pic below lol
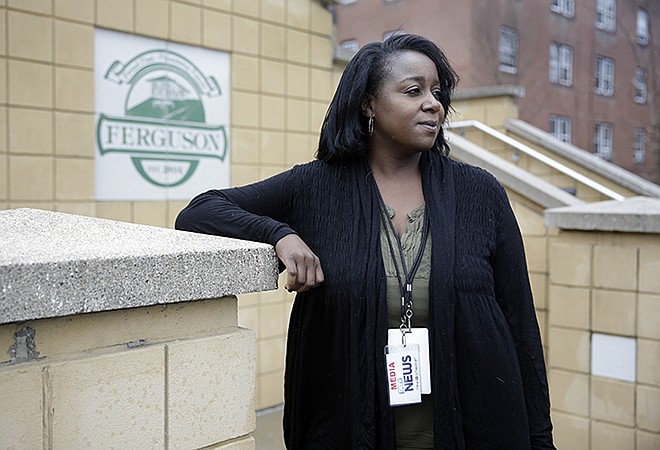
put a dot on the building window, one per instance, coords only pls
(639, 146)
(508, 50)
(563, 7)
(603, 140)
(561, 64)
(640, 85)
(604, 76)
(642, 27)
(606, 15)
(560, 127)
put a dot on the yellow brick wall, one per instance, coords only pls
(282, 79)
(604, 283)
(493, 111)
(168, 376)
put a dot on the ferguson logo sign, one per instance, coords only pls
(162, 118)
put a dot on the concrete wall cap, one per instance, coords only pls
(583, 158)
(632, 215)
(55, 264)
(489, 91)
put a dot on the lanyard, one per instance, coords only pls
(404, 288)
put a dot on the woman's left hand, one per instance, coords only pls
(303, 267)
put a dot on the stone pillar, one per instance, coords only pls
(604, 324)
(116, 335)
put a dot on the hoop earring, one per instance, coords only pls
(371, 125)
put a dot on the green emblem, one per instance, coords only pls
(164, 128)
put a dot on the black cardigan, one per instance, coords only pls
(488, 374)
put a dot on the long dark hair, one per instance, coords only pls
(344, 132)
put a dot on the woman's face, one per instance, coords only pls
(406, 110)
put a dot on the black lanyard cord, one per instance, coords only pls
(405, 290)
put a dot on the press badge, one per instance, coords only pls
(403, 374)
(419, 336)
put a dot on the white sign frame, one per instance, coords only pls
(162, 115)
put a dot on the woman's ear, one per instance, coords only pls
(367, 107)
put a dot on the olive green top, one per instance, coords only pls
(413, 423)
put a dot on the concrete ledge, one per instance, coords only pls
(489, 91)
(633, 215)
(511, 176)
(583, 158)
(55, 264)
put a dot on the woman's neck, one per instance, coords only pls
(399, 181)
(388, 167)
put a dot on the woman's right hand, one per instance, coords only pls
(303, 267)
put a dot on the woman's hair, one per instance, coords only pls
(344, 131)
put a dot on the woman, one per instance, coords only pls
(383, 212)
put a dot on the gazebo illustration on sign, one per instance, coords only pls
(170, 99)
(165, 91)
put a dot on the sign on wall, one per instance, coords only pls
(162, 118)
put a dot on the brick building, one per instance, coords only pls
(589, 68)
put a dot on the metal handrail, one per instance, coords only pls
(535, 154)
